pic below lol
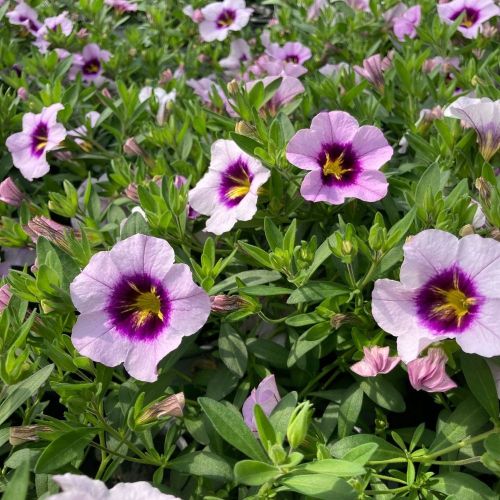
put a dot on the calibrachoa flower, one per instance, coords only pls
(448, 289)
(315, 9)
(359, 5)
(343, 158)
(483, 115)
(228, 192)
(5, 296)
(475, 12)
(219, 18)
(89, 63)
(239, 54)
(373, 70)
(406, 23)
(41, 133)
(162, 97)
(122, 5)
(265, 395)
(136, 305)
(78, 487)
(24, 15)
(52, 24)
(375, 361)
(292, 52)
(10, 193)
(429, 372)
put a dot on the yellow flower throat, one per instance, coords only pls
(335, 167)
(146, 305)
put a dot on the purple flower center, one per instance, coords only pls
(292, 58)
(471, 16)
(139, 307)
(39, 139)
(448, 302)
(226, 18)
(235, 183)
(91, 67)
(339, 165)
(32, 26)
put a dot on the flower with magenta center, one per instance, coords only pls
(136, 305)
(41, 133)
(228, 192)
(475, 13)
(89, 64)
(448, 289)
(342, 157)
(219, 18)
(291, 52)
(24, 15)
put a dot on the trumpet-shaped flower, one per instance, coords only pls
(219, 18)
(373, 70)
(291, 52)
(265, 395)
(81, 132)
(41, 133)
(89, 64)
(376, 360)
(136, 305)
(483, 115)
(429, 372)
(475, 13)
(343, 159)
(448, 288)
(228, 192)
(76, 487)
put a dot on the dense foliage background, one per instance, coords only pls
(300, 274)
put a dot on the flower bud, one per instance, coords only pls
(49, 229)
(226, 303)
(26, 433)
(484, 188)
(172, 406)
(5, 296)
(243, 128)
(299, 424)
(233, 87)
(197, 16)
(10, 193)
(277, 454)
(131, 192)
(466, 230)
(22, 93)
(106, 93)
(166, 76)
(131, 148)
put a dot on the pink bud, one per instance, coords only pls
(375, 361)
(197, 16)
(226, 303)
(166, 76)
(131, 148)
(429, 373)
(82, 33)
(131, 192)
(179, 181)
(22, 93)
(5, 296)
(106, 93)
(266, 395)
(10, 193)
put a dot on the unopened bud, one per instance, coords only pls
(26, 433)
(173, 406)
(5, 295)
(226, 303)
(49, 229)
(197, 16)
(489, 30)
(166, 76)
(340, 319)
(106, 93)
(243, 128)
(82, 33)
(45, 306)
(10, 193)
(131, 148)
(22, 93)
(466, 230)
(299, 424)
(131, 192)
(484, 188)
(233, 87)
(132, 52)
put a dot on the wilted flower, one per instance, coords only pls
(26, 433)
(24, 15)
(81, 132)
(136, 305)
(173, 406)
(132, 148)
(373, 70)
(122, 5)
(48, 229)
(219, 18)
(475, 12)
(375, 361)
(41, 133)
(228, 192)
(78, 487)
(162, 97)
(405, 24)
(429, 373)
(265, 395)
(343, 158)
(10, 193)
(239, 53)
(448, 289)
(291, 52)
(89, 64)
(5, 295)
(483, 115)
(226, 303)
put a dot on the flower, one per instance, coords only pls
(406, 23)
(226, 303)
(429, 373)
(78, 487)
(122, 5)
(343, 159)
(448, 288)
(5, 295)
(81, 132)
(195, 14)
(483, 115)
(376, 360)
(24, 15)
(136, 305)
(228, 192)
(48, 229)
(10, 193)
(475, 13)
(51, 24)
(162, 97)
(41, 133)
(89, 64)
(446, 65)
(291, 52)
(266, 395)
(239, 53)
(219, 18)
(332, 70)
(359, 5)
(373, 70)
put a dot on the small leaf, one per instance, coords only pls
(385, 450)
(254, 473)
(349, 410)
(134, 224)
(362, 453)
(232, 350)
(336, 467)
(17, 487)
(203, 463)
(323, 486)
(383, 393)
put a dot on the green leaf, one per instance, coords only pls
(257, 277)
(232, 350)
(385, 450)
(228, 422)
(254, 473)
(273, 234)
(463, 486)
(282, 412)
(316, 291)
(429, 183)
(336, 467)
(17, 487)
(256, 253)
(17, 394)
(266, 290)
(268, 351)
(480, 381)
(247, 144)
(383, 393)
(362, 453)
(399, 230)
(264, 427)
(64, 449)
(349, 409)
(135, 224)
(323, 486)
(492, 445)
(308, 340)
(203, 463)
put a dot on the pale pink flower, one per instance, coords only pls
(219, 18)
(122, 5)
(376, 360)
(24, 15)
(89, 64)
(266, 395)
(429, 372)
(238, 55)
(405, 25)
(10, 193)
(373, 70)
